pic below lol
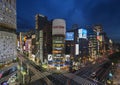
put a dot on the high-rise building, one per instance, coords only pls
(8, 37)
(102, 40)
(58, 42)
(70, 41)
(83, 42)
(92, 43)
(77, 45)
(99, 30)
(43, 37)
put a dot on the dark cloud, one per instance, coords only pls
(105, 12)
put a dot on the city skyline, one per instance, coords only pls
(74, 12)
(58, 42)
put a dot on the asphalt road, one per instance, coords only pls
(101, 71)
(39, 73)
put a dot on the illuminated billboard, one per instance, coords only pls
(67, 58)
(50, 58)
(28, 45)
(100, 38)
(70, 36)
(77, 49)
(82, 33)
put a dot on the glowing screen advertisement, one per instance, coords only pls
(50, 58)
(76, 49)
(82, 33)
(70, 36)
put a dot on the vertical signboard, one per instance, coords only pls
(76, 49)
(41, 45)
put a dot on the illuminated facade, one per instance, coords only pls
(8, 14)
(99, 36)
(8, 37)
(72, 42)
(83, 42)
(92, 43)
(7, 46)
(58, 42)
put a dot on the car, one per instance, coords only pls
(13, 69)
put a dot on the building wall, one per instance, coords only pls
(82, 50)
(8, 14)
(43, 37)
(7, 46)
(92, 38)
(47, 40)
(98, 29)
(92, 45)
(41, 21)
(8, 38)
(33, 44)
(58, 49)
(83, 47)
(58, 41)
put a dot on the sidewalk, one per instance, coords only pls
(116, 78)
(5, 67)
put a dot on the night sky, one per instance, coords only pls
(81, 12)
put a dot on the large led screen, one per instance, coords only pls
(82, 33)
(70, 36)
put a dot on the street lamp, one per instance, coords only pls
(23, 73)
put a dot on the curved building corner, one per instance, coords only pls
(7, 31)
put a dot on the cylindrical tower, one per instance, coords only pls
(58, 36)
(7, 31)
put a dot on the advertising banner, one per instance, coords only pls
(50, 58)
(70, 36)
(82, 33)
